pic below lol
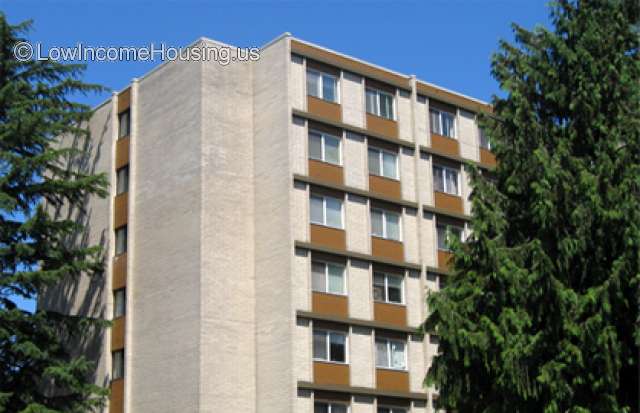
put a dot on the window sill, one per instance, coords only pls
(447, 193)
(328, 293)
(390, 303)
(119, 379)
(444, 136)
(326, 162)
(385, 177)
(381, 117)
(339, 363)
(399, 241)
(326, 226)
(324, 100)
(402, 370)
(123, 137)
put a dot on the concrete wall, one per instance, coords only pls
(405, 118)
(352, 99)
(357, 223)
(354, 153)
(298, 83)
(360, 290)
(361, 356)
(468, 135)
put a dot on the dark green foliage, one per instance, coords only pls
(541, 311)
(37, 373)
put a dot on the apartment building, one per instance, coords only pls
(273, 231)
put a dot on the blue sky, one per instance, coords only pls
(446, 42)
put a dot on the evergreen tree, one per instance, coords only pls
(540, 313)
(38, 372)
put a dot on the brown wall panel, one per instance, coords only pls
(385, 248)
(469, 104)
(326, 172)
(120, 209)
(124, 100)
(487, 158)
(324, 109)
(390, 313)
(122, 152)
(330, 304)
(329, 237)
(385, 186)
(117, 334)
(391, 380)
(330, 373)
(116, 399)
(119, 272)
(443, 259)
(382, 126)
(448, 202)
(445, 145)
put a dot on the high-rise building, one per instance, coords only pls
(273, 230)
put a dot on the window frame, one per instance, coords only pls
(126, 112)
(446, 227)
(328, 332)
(388, 351)
(121, 372)
(330, 404)
(391, 409)
(444, 180)
(384, 224)
(323, 135)
(386, 287)
(326, 264)
(122, 291)
(378, 106)
(381, 152)
(324, 211)
(320, 74)
(440, 123)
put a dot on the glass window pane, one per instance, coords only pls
(121, 240)
(386, 106)
(334, 212)
(395, 289)
(455, 232)
(331, 149)
(382, 359)
(384, 410)
(389, 165)
(119, 303)
(484, 140)
(378, 287)
(397, 355)
(438, 180)
(372, 102)
(320, 407)
(318, 277)
(336, 279)
(313, 83)
(376, 223)
(315, 146)
(124, 124)
(448, 124)
(329, 88)
(337, 347)
(316, 210)
(320, 345)
(338, 408)
(442, 237)
(374, 161)
(435, 121)
(393, 226)
(122, 180)
(452, 181)
(117, 365)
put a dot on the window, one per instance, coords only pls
(383, 163)
(387, 287)
(484, 140)
(324, 407)
(119, 303)
(121, 240)
(122, 180)
(322, 85)
(124, 124)
(327, 277)
(380, 103)
(446, 180)
(326, 210)
(444, 234)
(443, 123)
(329, 346)
(391, 410)
(117, 365)
(324, 147)
(391, 354)
(385, 224)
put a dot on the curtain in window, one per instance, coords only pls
(397, 355)
(336, 279)
(389, 162)
(334, 212)
(382, 356)
(313, 84)
(316, 210)
(438, 180)
(318, 277)
(452, 181)
(371, 99)
(374, 162)
(435, 121)
(331, 149)
(393, 226)
(329, 88)
(376, 223)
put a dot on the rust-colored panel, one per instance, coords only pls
(324, 109)
(443, 259)
(383, 126)
(386, 248)
(124, 100)
(391, 380)
(390, 313)
(120, 209)
(448, 202)
(116, 399)
(117, 334)
(119, 270)
(452, 98)
(487, 157)
(385, 186)
(352, 65)
(122, 152)
(330, 373)
(445, 145)
(326, 172)
(329, 237)
(330, 304)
